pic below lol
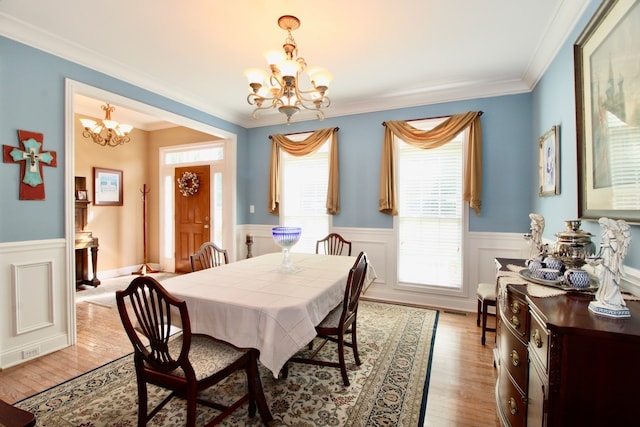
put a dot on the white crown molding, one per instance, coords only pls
(554, 37)
(30, 35)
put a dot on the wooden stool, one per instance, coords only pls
(486, 294)
(10, 416)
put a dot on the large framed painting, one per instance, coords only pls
(107, 187)
(607, 73)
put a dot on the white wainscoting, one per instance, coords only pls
(34, 300)
(482, 249)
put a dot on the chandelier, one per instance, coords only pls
(108, 132)
(282, 89)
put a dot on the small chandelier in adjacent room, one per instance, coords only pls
(108, 132)
(281, 89)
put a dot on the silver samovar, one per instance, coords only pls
(574, 245)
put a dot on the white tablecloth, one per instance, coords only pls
(251, 303)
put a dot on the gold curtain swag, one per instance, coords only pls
(300, 148)
(436, 137)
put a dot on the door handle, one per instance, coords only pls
(206, 226)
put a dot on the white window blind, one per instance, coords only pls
(430, 213)
(304, 195)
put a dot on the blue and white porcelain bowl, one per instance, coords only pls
(548, 273)
(577, 278)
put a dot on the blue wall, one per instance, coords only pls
(506, 133)
(554, 104)
(32, 97)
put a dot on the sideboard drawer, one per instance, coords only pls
(516, 315)
(511, 403)
(514, 357)
(539, 341)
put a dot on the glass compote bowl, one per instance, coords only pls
(286, 237)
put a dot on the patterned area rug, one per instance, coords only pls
(389, 388)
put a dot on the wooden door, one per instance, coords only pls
(193, 218)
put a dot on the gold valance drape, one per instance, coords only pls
(301, 148)
(433, 138)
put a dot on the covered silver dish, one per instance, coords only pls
(574, 245)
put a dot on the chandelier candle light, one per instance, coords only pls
(109, 132)
(281, 89)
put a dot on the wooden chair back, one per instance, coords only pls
(150, 306)
(333, 244)
(353, 290)
(208, 256)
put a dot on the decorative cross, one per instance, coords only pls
(31, 160)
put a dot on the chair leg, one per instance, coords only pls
(191, 406)
(485, 308)
(354, 344)
(343, 365)
(142, 403)
(479, 311)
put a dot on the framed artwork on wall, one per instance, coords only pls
(606, 58)
(81, 195)
(549, 145)
(107, 187)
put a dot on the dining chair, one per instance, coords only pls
(185, 363)
(209, 255)
(333, 244)
(341, 321)
(11, 416)
(486, 295)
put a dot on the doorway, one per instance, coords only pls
(74, 88)
(192, 213)
(191, 217)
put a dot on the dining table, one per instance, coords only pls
(255, 303)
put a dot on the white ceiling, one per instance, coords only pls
(383, 54)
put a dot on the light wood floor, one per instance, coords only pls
(461, 389)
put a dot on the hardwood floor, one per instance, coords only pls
(461, 389)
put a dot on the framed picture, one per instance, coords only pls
(549, 145)
(107, 187)
(81, 195)
(606, 58)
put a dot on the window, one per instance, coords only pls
(430, 213)
(194, 155)
(304, 194)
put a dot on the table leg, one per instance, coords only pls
(261, 401)
(94, 265)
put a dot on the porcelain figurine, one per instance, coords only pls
(535, 237)
(616, 238)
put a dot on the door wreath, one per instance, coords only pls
(188, 184)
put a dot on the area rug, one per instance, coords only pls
(105, 294)
(389, 388)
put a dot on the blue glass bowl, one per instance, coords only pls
(286, 237)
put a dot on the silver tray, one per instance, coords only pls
(559, 282)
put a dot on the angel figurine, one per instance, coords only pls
(616, 238)
(535, 237)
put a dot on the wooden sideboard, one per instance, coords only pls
(561, 365)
